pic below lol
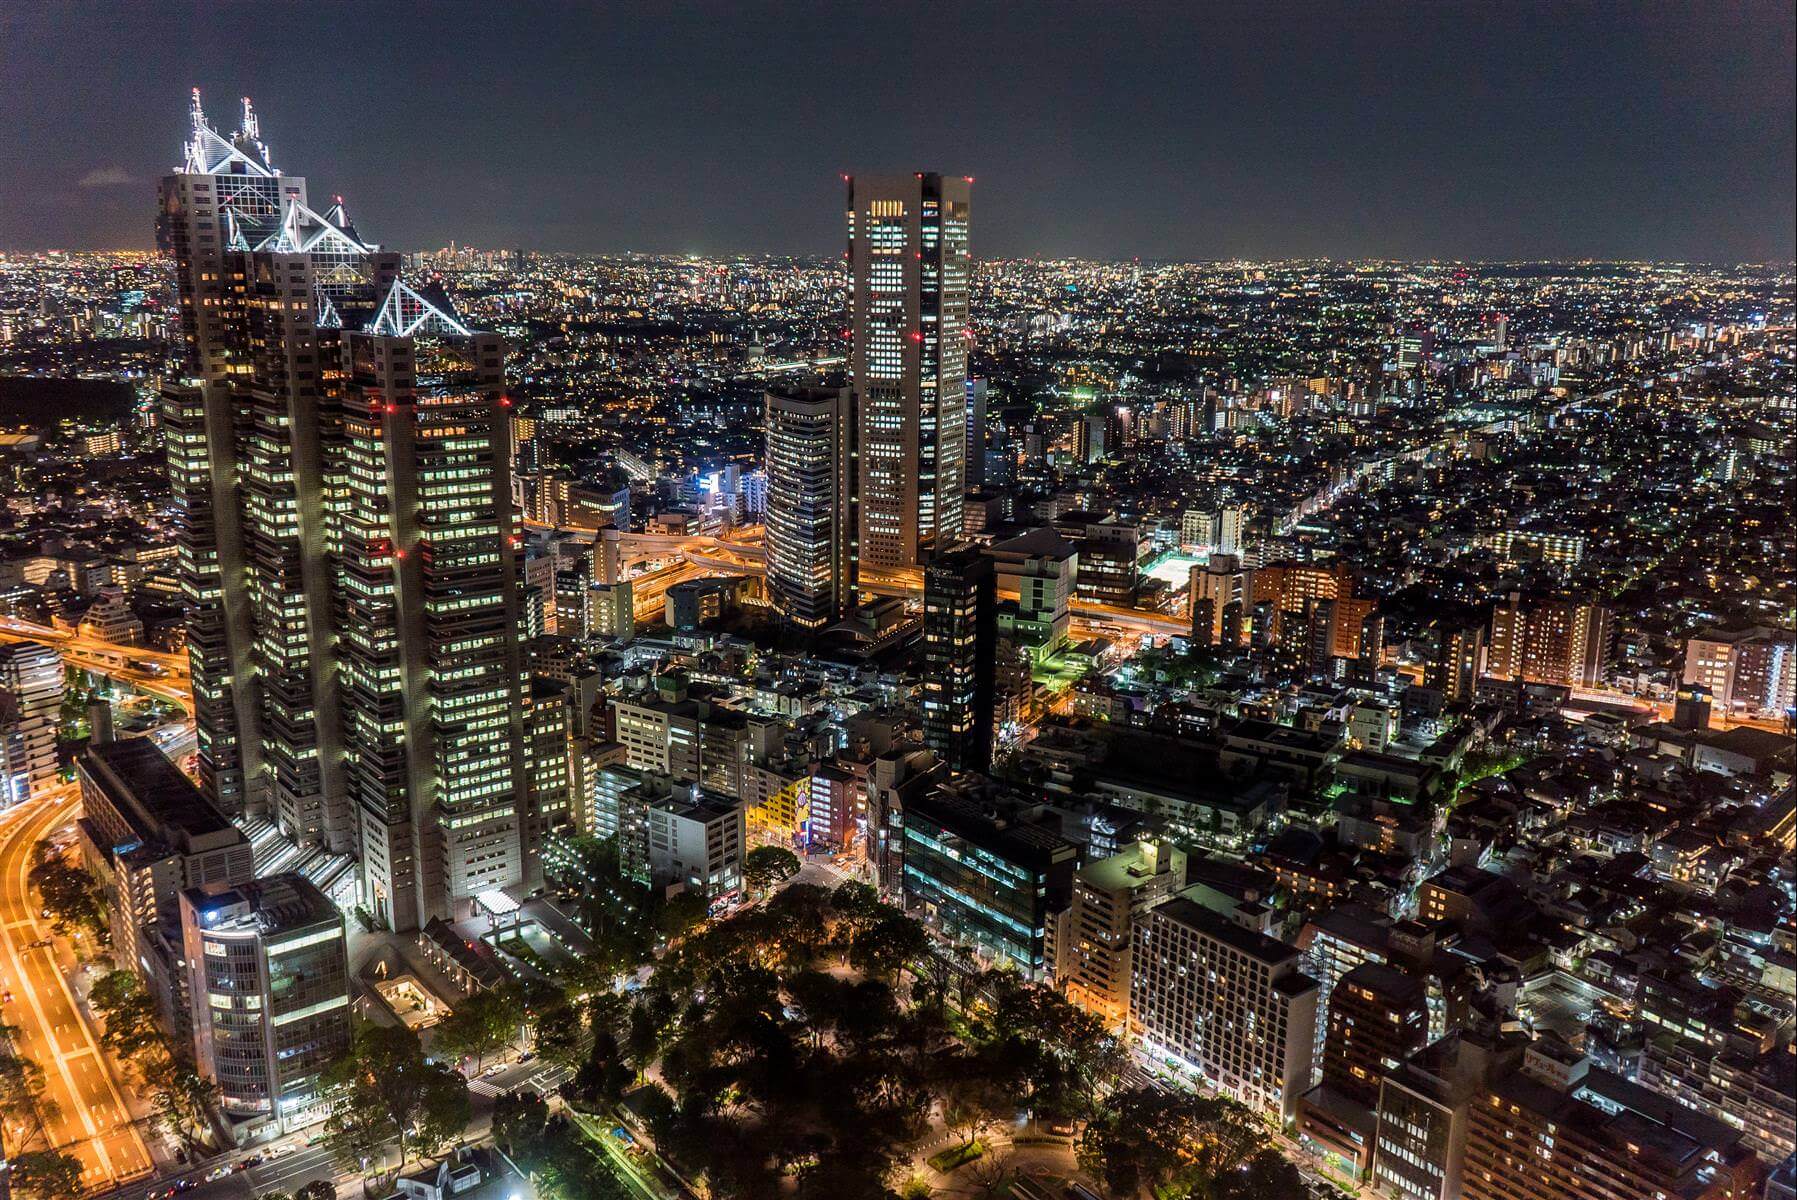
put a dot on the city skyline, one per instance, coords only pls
(895, 722)
(1403, 133)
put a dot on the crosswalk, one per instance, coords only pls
(543, 1081)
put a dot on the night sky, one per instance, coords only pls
(1109, 130)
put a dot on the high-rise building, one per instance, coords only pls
(1221, 590)
(1550, 641)
(1421, 1123)
(1310, 612)
(959, 645)
(1097, 936)
(1040, 568)
(1559, 1129)
(31, 685)
(696, 840)
(429, 611)
(549, 723)
(989, 867)
(614, 610)
(146, 833)
(908, 281)
(270, 996)
(1751, 670)
(1228, 1003)
(1378, 1016)
(976, 434)
(340, 458)
(1459, 662)
(808, 515)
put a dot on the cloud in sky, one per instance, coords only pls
(105, 177)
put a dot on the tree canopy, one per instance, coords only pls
(766, 866)
(387, 1094)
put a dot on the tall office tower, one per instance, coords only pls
(257, 275)
(1459, 662)
(549, 721)
(270, 996)
(31, 681)
(340, 459)
(429, 616)
(959, 644)
(808, 431)
(908, 279)
(1550, 641)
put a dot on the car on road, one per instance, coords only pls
(37, 945)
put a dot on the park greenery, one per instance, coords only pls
(181, 1099)
(70, 895)
(799, 1045)
(387, 1093)
(24, 1106)
(44, 1175)
(1181, 1146)
(560, 1157)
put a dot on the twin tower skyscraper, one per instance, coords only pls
(339, 457)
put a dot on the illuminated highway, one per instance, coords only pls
(741, 554)
(157, 673)
(90, 1120)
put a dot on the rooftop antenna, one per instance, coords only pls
(196, 143)
(250, 128)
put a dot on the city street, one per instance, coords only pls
(91, 1120)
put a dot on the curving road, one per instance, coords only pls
(91, 1122)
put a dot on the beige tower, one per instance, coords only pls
(908, 267)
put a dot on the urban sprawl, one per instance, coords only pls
(492, 722)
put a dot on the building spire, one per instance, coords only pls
(250, 128)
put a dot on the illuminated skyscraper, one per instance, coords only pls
(429, 610)
(908, 268)
(808, 431)
(339, 456)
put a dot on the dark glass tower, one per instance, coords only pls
(959, 644)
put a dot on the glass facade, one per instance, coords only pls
(270, 995)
